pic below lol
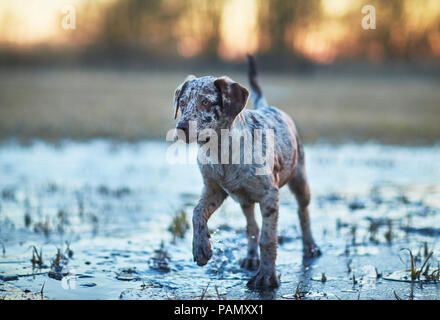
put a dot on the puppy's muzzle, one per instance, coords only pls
(183, 126)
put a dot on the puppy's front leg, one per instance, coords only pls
(212, 197)
(267, 273)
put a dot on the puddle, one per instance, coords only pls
(405, 276)
(115, 214)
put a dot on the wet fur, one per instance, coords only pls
(239, 181)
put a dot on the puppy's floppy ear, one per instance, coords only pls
(178, 91)
(234, 95)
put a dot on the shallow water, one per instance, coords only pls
(113, 204)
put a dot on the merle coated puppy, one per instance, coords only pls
(216, 104)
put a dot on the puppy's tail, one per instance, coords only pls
(256, 93)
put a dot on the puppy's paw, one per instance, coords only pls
(250, 263)
(202, 251)
(311, 251)
(264, 280)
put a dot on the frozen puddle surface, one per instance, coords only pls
(93, 220)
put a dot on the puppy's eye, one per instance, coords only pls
(205, 102)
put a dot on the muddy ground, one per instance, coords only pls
(94, 220)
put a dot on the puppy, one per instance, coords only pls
(218, 104)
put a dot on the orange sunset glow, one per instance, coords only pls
(332, 31)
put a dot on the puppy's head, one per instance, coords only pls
(209, 103)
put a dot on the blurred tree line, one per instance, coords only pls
(155, 23)
(297, 31)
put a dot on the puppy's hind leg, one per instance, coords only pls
(300, 187)
(252, 260)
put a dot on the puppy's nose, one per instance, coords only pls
(184, 126)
